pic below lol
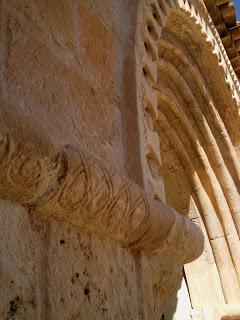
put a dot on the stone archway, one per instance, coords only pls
(189, 106)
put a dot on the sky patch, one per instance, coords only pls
(237, 5)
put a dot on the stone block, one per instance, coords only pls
(55, 19)
(18, 274)
(98, 50)
(86, 274)
(59, 96)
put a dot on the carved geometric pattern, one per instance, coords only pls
(73, 186)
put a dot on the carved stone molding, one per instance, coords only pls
(223, 14)
(189, 113)
(75, 187)
(154, 17)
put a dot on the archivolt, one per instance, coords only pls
(191, 104)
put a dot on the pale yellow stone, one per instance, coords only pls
(119, 142)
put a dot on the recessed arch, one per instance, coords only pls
(189, 113)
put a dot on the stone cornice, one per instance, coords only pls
(223, 14)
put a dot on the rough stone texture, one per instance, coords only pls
(56, 84)
(70, 265)
(57, 272)
(58, 87)
(65, 277)
(148, 87)
(75, 187)
(223, 14)
(18, 273)
(190, 128)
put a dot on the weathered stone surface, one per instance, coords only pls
(75, 188)
(59, 272)
(223, 14)
(53, 87)
(55, 19)
(58, 186)
(99, 52)
(73, 274)
(197, 125)
(144, 86)
(85, 274)
(18, 271)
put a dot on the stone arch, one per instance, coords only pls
(189, 119)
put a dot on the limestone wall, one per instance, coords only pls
(190, 128)
(61, 73)
(62, 69)
(147, 87)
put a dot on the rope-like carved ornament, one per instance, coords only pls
(75, 187)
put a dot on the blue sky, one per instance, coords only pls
(237, 5)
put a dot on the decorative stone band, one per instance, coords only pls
(75, 187)
(181, 115)
(154, 17)
(223, 14)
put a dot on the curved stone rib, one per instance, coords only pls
(207, 262)
(189, 141)
(215, 231)
(190, 64)
(195, 13)
(221, 133)
(207, 87)
(214, 160)
(199, 13)
(75, 187)
(219, 166)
